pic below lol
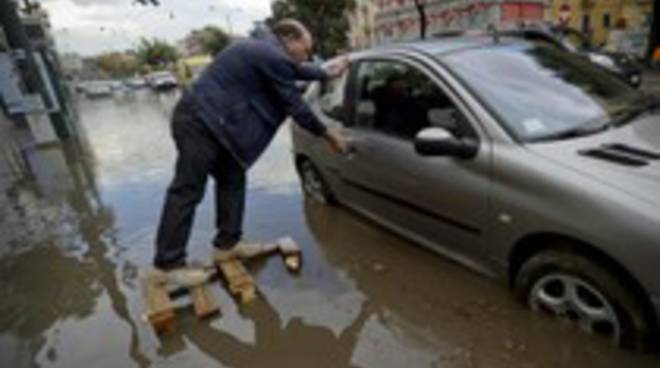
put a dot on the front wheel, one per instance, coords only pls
(571, 286)
(313, 184)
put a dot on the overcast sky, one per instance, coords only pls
(90, 27)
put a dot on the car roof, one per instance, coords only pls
(445, 45)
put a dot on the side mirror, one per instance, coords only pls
(439, 142)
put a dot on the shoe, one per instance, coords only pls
(179, 277)
(243, 250)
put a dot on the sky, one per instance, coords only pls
(90, 27)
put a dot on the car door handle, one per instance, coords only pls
(351, 149)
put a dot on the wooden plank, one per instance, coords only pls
(293, 262)
(239, 281)
(291, 254)
(159, 307)
(203, 302)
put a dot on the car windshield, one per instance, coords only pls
(539, 92)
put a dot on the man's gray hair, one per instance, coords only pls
(290, 28)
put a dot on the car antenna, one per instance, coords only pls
(492, 30)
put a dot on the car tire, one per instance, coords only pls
(313, 184)
(566, 284)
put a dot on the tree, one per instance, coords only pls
(118, 64)
(156, 53)
(213, 39)
(327, 21)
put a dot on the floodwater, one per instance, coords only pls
(77, 228)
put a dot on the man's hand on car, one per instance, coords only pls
(337, 67)
(336, 141)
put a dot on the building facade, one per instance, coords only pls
(397, 20)
(31, 86)
(362, 32)
(598, 18)
(191, 45)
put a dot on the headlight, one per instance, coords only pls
(602, 60)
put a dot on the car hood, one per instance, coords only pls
(627, 158)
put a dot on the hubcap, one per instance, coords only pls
(570, 297)
(312, 184)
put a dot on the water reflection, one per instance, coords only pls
(56, 246)
(77, 224)
(294, 344)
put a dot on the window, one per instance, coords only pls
(399, 100)
(606, 21)
(332, 98)
(586, 23)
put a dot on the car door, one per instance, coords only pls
(441, 201)
(327, 99)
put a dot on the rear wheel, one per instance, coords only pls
(313, 184)
(568, 285)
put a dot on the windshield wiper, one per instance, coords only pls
(628, 115)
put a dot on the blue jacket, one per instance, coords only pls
(248, 91)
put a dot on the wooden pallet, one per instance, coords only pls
(160, 310)
(290, 253)
(239, 282)
(203, 302)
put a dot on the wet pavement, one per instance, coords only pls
(76, 228)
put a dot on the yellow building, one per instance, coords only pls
(598, 17)
(190, 68)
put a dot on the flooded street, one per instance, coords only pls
(77, 228)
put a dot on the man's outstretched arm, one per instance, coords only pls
(312, 72)
(282, 74)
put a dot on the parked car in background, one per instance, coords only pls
(511, 156)
(135, 83)
(189, 69)
(572, 40)
(161, 81)
(79, 86)
(97, 89)
(116, 85)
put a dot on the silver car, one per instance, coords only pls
(512, 157)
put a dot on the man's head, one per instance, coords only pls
(296, 39)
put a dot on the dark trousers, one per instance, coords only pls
(199, 155)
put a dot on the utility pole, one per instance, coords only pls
(421, 9)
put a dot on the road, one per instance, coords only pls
(76, 230)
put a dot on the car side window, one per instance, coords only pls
(399, 100)
(332, 98)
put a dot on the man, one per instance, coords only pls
(221, 126)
